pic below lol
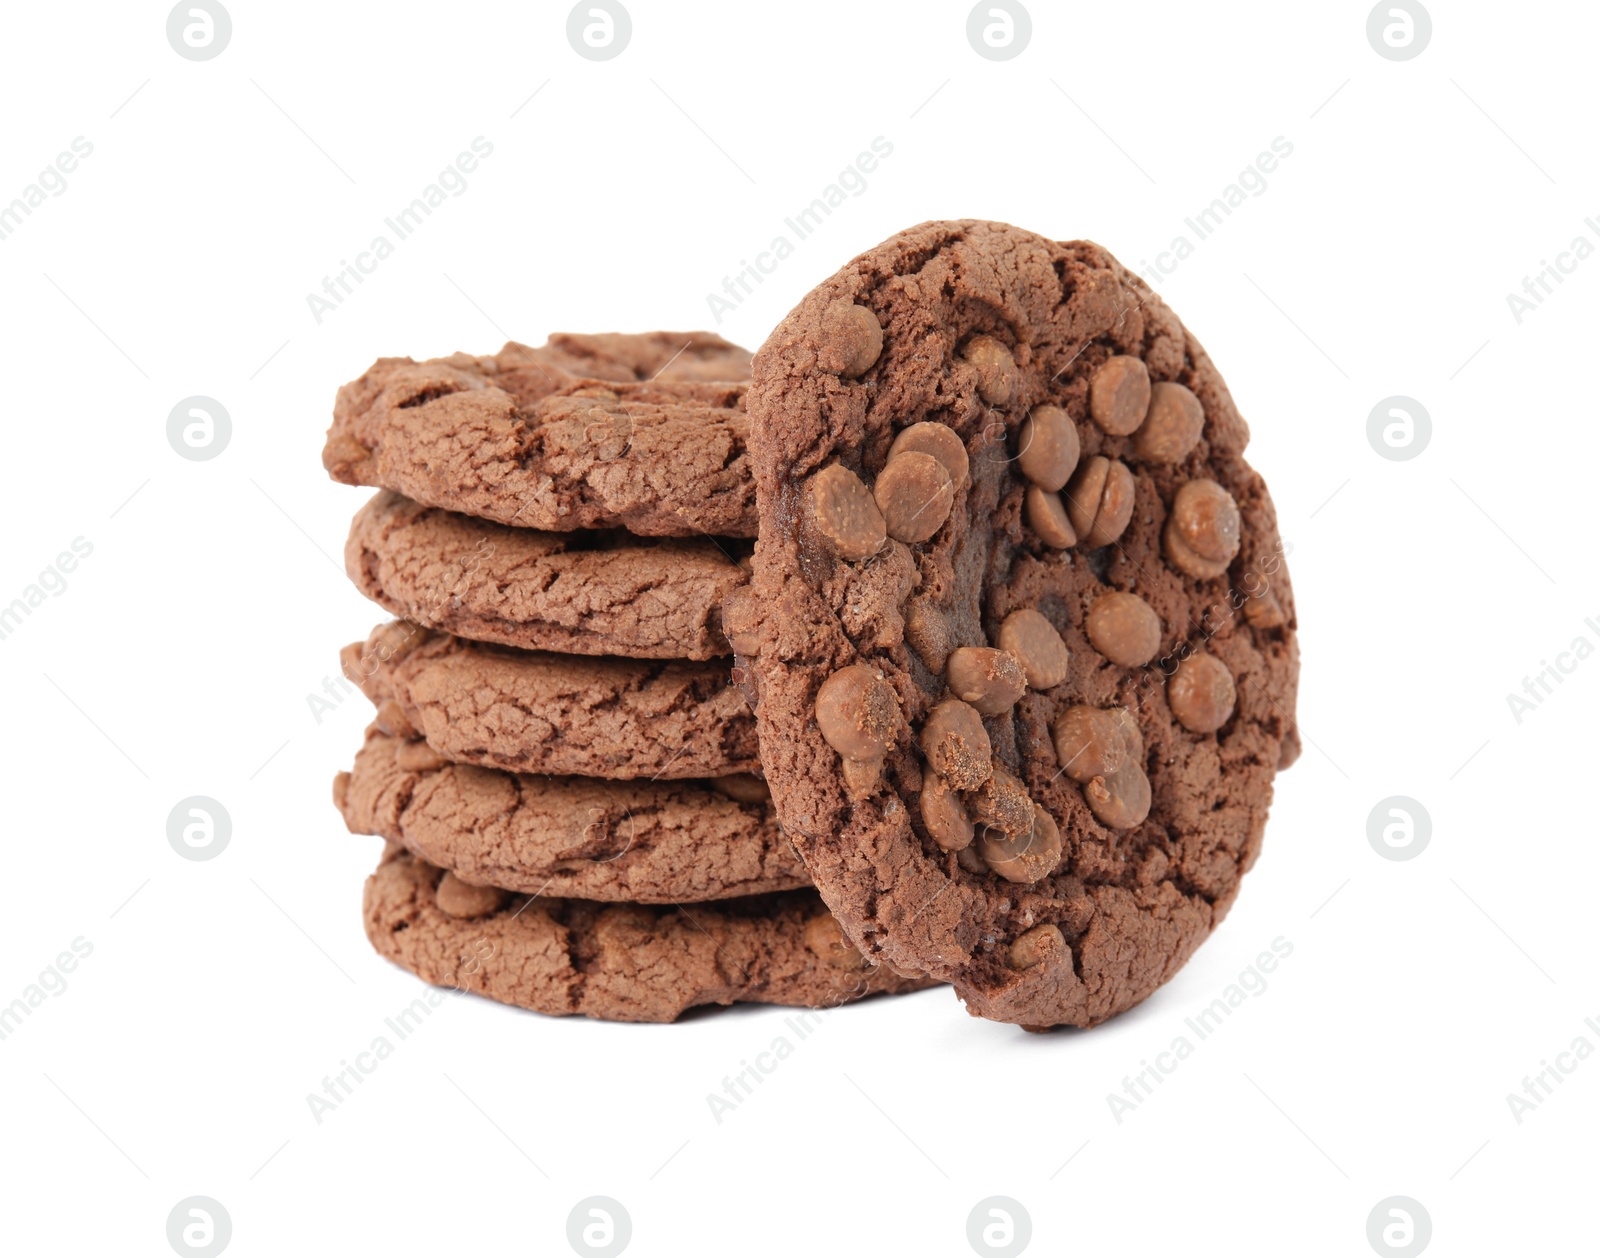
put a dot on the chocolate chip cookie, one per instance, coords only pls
(537, 712)
(623, 962)
(1024, 639)
(645, 433)
(578, 593)
(651, 842)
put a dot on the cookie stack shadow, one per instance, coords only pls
(562, 764)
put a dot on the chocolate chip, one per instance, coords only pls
(1035, 642)
(939, 440)
(741, 621)
(945, 815)
(1047, 447)
(861, 777)
(858, 713)
(1036, 946)
(341, 455)
(851, 339)
(1120, 795)
(928, 632)
(608, 429)
(1185, 560)
(1206, 520)
(826, 941)
(1217, 620)
(1119, 395)
(393, 643)
(1201, 693)
(392, 720)
(418, 757)
(1047, 516)
(1263, 610)
(742, 788)
(1085, 490)
(744, 677)
(1120, 800)
(462, 899)
(1171, 426)
(996, 369)
(1002, 806)
(1026, 857)
(1100, 501)
(969, 860)
(989, 680)
(845, 513)
(1124, 628)
(957, 745)
(914, 493)
(1091, 742)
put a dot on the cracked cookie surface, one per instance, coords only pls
(578, 593)
(650, 842)
(1023, 684)
(538, 712)
(621, 962)
(641, 432)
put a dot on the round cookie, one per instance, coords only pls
(1062, 868)
(628, 357)
(621, 962)
(532, 437)
(535, 712)
(650, 842)
(578, 593)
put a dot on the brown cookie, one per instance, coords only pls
(1028, 748)
(579, 593)
(622, 962)
(573, 435)
(651, 842)
(535, 712)
(630, 357)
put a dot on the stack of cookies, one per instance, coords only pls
(947, 640)
(561, 762)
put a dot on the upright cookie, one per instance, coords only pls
(622, 962)
(650, 842)
(580, 593)
(521, 439)
(1026, 653)
(534, 712)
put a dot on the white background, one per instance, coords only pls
(179, 658)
